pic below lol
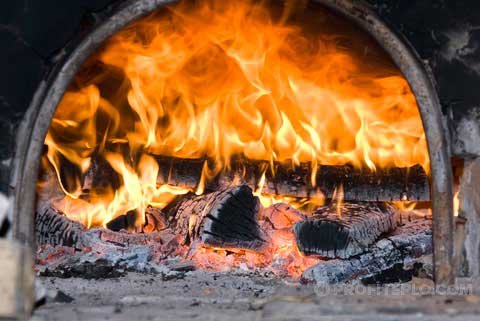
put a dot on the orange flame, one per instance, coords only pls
(456, 203)
(281, 255)
(218, 79)
(338, 197)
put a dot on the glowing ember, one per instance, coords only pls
(281, 255)
(219, 79)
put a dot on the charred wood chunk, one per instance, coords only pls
(179, 172)
(383, 184)
(154, 221)
(52, 227)
(226, 218)
(282, 216)
(100, 176)
(328, 235)
(123, 222)
(406, 245)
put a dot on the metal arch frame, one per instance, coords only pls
(35, 125)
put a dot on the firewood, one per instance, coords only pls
(327, 234)
(154, 221)
(225, 218)
(100, 176)
(52, 227)
(123, 222)
(404, 246)
(383, 184)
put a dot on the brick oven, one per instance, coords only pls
(322, 143)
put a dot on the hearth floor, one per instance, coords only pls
(245, 296)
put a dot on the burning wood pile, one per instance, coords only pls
(188, 136)
(227, 227)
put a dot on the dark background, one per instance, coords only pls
(34, 34)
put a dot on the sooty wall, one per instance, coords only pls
(34, 34)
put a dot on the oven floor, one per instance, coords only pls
(246, 296)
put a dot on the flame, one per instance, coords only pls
(405, 206)
(216, 79)
(338, 196)
(456, 203)
(281, 255)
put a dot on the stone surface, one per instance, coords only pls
(469, 213)
(16, 280)
(466, 135)
(250, 296)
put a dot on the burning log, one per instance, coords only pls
(404, 246)
(154, 221)
(225, 218)
(360, 225)
(100, 175)
(51, 227)
(384, 184)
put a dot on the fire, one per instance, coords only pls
(281, 255)
(217, 79)
(456, 203)
(338, 196)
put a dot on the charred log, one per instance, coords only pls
(51, 227)
(154, 221)
(100, 176)
(404, 246)
(54, 228)
(123, 222)
(328, 235)
(226, 218)
(384, 184)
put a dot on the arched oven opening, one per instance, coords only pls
(277, 136)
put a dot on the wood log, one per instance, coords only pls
(404, 246)
(154, 221)
(384, 184)
(225, 218)
(52, 227)
(100, 175)
(327, 234)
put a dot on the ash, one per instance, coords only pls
(240, 295)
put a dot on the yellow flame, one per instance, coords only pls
(338, 196)
(456, 203)
(218, 79)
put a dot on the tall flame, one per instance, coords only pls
(217, 79)
(338, 196)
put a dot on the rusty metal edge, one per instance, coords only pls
(36, 122)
